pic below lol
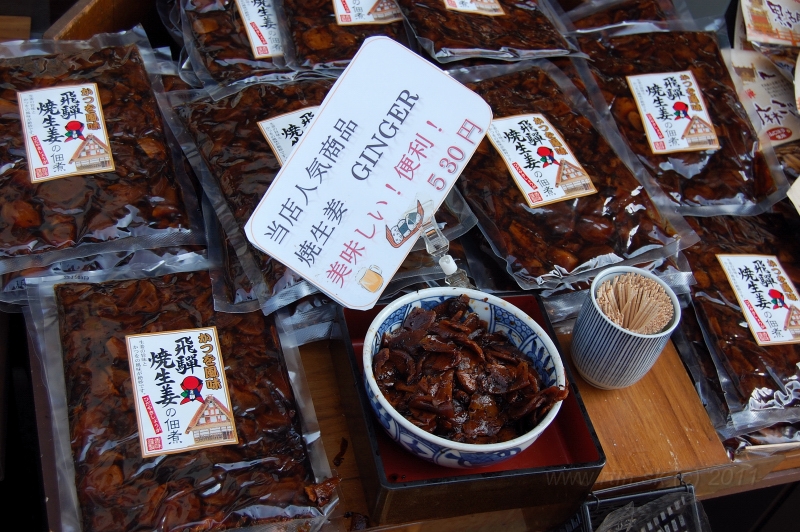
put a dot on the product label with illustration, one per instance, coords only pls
(772, 21)
(354, 12)
(767, 296)
(539, 160)
(674, 114)
(65, 132)
(770, 96)
(491, 8)
(283, 132)
(261, 23)
(182, 399)
(352, 197)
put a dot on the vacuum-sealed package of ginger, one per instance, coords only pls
(498, 29)
(673, 100)
(233, 40)
(85, 163)
(550, 192)
(599, 13)
(326, 35)
(747, 302)
(168, 415)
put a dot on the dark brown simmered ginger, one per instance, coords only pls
(445, 373)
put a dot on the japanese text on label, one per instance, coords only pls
(767, 296)
(541, 163)
(65, 132)
(352, 12)
(182, 399)
(261, 24)
(674, 114)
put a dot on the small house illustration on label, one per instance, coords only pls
(211, 422)
(792, 323)
(747, 74)
(489, 6)
(699, 133)
(91, 154)
(385, 9)
(572, 178)
(760, 18)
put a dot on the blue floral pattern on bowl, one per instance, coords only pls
(442, 452)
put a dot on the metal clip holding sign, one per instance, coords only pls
(437, 245)
(385, 148)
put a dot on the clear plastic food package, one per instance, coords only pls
(104, 481)
(216, 41)
(321, 43)
(143, 201)
(765, 378)
(448, 34)
(555, 244)
(741, 175)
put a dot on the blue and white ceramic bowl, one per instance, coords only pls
(525, 333)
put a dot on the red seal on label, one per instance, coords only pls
(779, 133)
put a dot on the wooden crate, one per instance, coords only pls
(89, 17)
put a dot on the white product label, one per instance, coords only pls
(353, 12)
(65, 132)
(740, 41)
(674, 114)
(349, 203)
(771, 95)
(767, 296)
(772, 21)
(541, 163)
(182, 399)
(476, 7)
(283, 132)
(261, 23)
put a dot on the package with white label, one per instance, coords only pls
(772, 108)
(551, 193)
(233, 40)
(450, 30)
(598, 13)
(327, 34)
(237, 145)
(773, 32)
(748, 305)
(675, 104)
(167, 415)
(85, 163)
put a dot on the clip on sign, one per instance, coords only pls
(348, 204)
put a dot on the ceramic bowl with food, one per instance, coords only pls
(472, 382)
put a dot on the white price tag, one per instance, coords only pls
(349, 203)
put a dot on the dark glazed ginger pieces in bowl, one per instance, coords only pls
(461, 378)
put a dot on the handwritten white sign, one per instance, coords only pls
(386, 146)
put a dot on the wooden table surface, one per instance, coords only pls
(655, 429)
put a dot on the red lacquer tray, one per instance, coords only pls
(551, 477)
